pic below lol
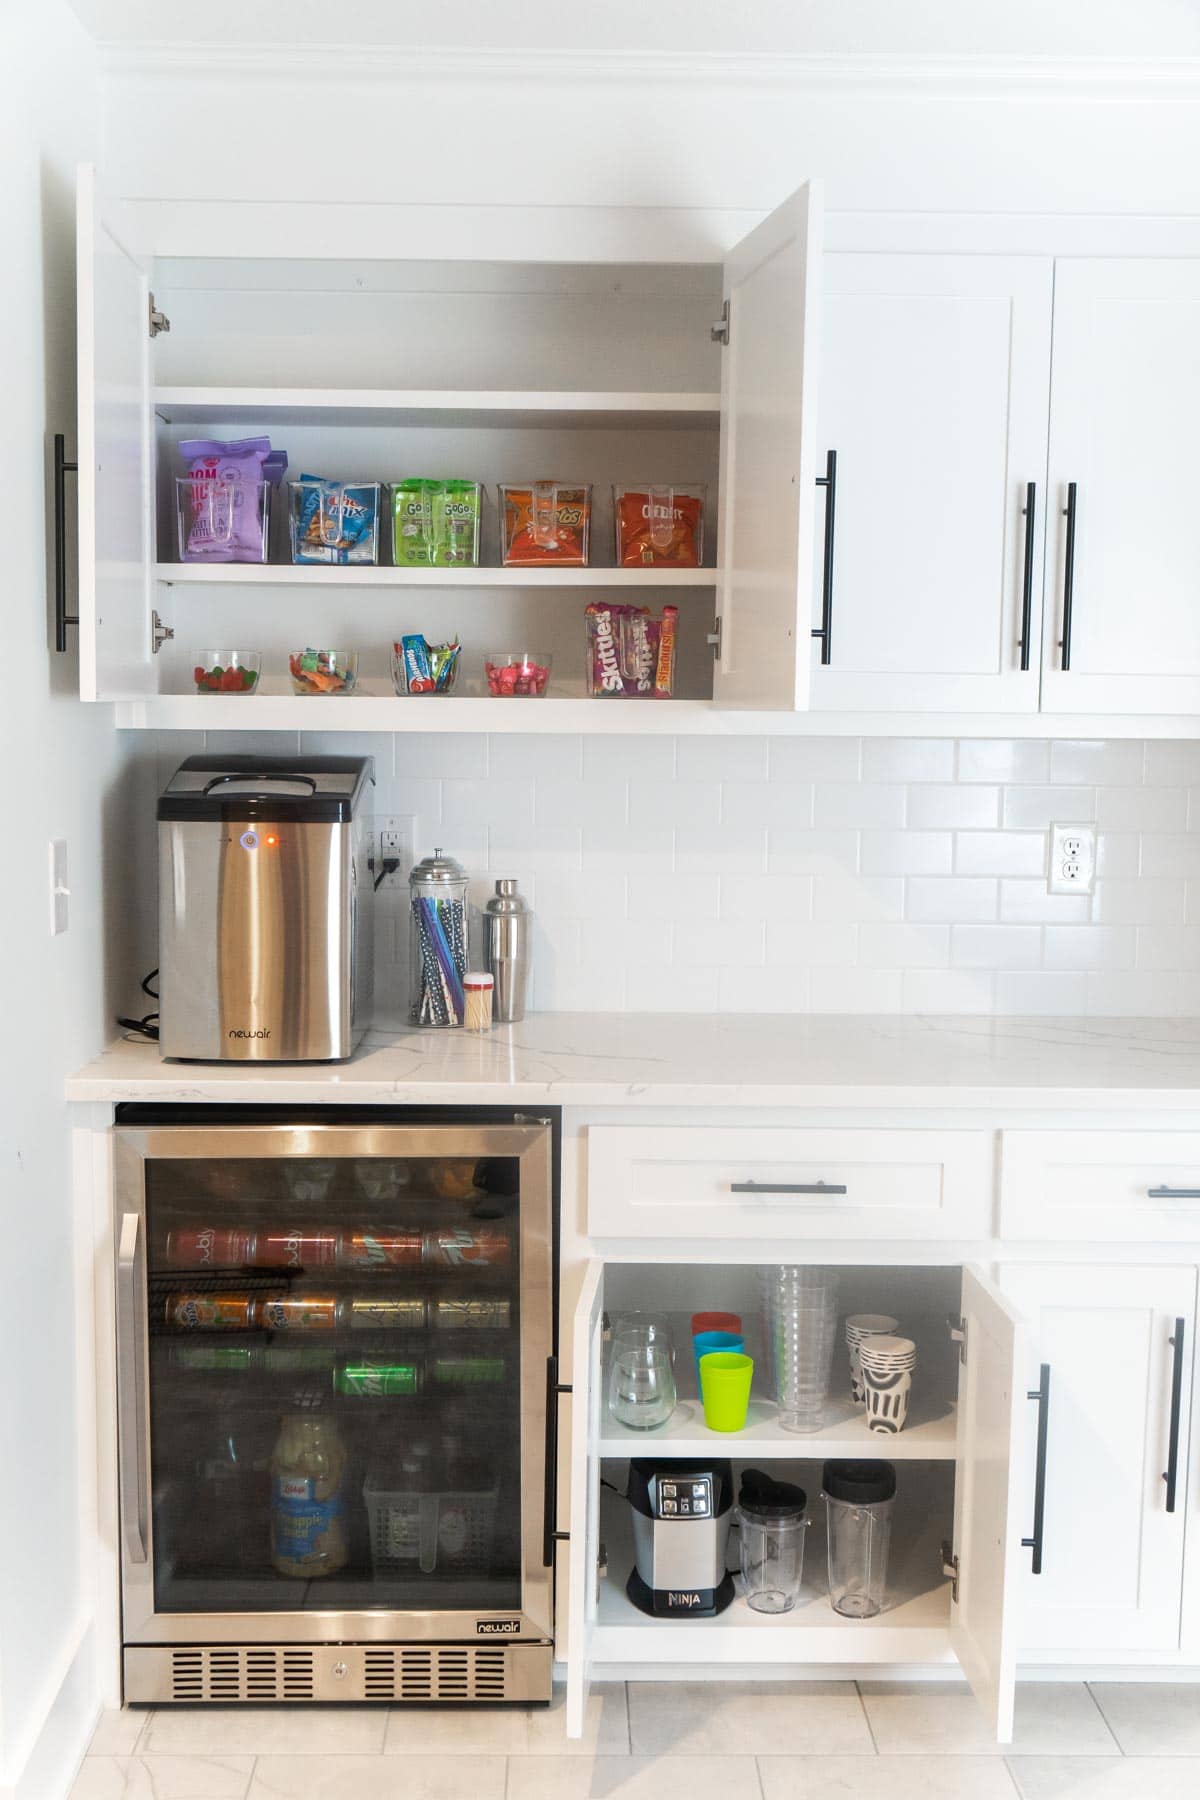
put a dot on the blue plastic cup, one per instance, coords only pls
(707, 1343)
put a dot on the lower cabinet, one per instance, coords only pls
(964, 1497)
(1119, 1342)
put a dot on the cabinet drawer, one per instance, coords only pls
(1105, 1186)
(755, 1185)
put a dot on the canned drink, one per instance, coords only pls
(210, 1247)
(468, 1371)
(376, 1380)
(469, 1247)
(379, 1250)
(387, 1314)
(211, 1358)
(296, 1312)
(479, 1315)
(294, 1359)
(210, 1312)
(295, 1249)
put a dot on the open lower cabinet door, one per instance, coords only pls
(584, 1560)
(114, 456)
(989, 1495)
(768, 460)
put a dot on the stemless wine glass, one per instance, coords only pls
(641, 1386)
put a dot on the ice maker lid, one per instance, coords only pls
(302, 789)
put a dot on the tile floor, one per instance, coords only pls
(836, 1740)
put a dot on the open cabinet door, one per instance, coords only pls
(584, 1561)
(768, 460)
(115, 449)
(988, 1495)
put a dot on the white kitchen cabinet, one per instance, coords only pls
(1122, 625)
(1101, 1187)
(603, 369)
(1119, 1345)
(961, 1477)
(934, 384)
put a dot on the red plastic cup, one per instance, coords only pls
(715, 1321)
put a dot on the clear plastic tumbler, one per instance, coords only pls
(859, 1497)
(772, 1525)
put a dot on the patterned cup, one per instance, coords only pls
(887, 1371)
(858, 1327)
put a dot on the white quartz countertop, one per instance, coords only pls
(688, 1059)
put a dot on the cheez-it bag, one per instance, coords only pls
(659, 527)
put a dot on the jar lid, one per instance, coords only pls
(478, 980)
(762, 1497)
(438, 867)
(859, 1483)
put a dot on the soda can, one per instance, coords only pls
(210, 1312)
(294, 1359)
(365, 1314)
(296, 1312)
(478, 1315)
(469, 1247)
(376, 1380)
(379, 1250)
(295, 1249)
(210, 1247)
(211, 1359)
(468, 1371)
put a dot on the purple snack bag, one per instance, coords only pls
(224, 496)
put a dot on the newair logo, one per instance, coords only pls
(261, 1033)
(497, 1627)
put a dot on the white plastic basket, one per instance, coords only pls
(429, 1533)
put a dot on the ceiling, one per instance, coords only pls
(1065, 31)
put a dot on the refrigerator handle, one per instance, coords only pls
(131, 1390)
(550, 1536)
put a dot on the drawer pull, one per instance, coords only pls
(1171, 1472)
(1170, 1193)
(786, 1187)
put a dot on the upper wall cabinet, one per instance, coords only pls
(1122, 627)
(934, 385)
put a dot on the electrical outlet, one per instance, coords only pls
(1072, 859)
(395, 838)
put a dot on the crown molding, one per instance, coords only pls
(946, 76)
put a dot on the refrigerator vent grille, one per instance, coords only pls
(435, 1673)
(237, 1674)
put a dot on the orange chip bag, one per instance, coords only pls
(546, 522)
(659, 527)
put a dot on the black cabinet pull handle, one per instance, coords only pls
(1029, 510)
(1068, 576)
(824, 631)
(1171, 1472)
(786, 1187)
(1170, 1193)
(550, 1535)
(62, 468)
(1041, 1393)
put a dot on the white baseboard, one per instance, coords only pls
(43, 1759)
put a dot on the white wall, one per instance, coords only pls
(66, 775)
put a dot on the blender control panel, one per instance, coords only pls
(683, 1497)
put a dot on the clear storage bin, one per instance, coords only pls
(546, 523)
(334, 521)
(413, 1532)
(222, 518)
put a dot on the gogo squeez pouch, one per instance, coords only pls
(435, 524)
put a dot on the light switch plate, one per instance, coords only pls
(60, 893)
(1072, 859)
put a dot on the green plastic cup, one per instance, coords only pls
(725, 1377)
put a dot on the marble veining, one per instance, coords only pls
(612, 1059)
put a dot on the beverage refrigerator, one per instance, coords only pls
(335, 1389)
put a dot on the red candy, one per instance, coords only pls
(525, 678)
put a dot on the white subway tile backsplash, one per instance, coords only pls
(963, 807)
(906, 852)
(908, 759)
(789, 874)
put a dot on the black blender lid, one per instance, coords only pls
(307, 789)
(860, 1483)
(765, 1498)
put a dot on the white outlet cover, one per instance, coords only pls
(1072, 859)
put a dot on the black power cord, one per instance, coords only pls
(147, 1026)
(387, 867)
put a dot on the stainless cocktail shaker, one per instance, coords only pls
(507, 926)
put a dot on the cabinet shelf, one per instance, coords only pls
(930, 1435)
(301, 575)
(445, 407)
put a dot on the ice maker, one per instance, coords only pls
(265, 908)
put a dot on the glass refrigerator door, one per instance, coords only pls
(343, 1351)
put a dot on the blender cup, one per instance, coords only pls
(859, 1497)
(772, 1523)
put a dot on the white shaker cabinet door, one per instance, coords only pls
(1122, 631)
(115, 457)
(584, 1561)
(1112, 1555)
(989, 1496)
(933, 396)
(768, 434)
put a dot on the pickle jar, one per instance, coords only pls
(437, 890)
